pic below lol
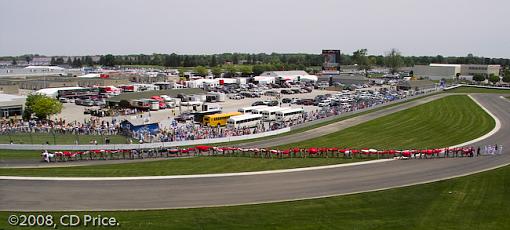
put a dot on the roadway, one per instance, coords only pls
(63, 195)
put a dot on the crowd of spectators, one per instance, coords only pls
(196, 131)
(92, 126)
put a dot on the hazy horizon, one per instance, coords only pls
(93, 27)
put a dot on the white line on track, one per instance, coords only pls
(193, 176)
(496, 128)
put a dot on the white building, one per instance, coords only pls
(295, 75)
(452, 71)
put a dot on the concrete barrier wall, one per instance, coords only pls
(476, 86)
(142, 146)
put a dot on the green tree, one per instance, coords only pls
(181, 71)
(42, 106)
(258, 69)
(200, 70)
(108, 60)
(494, 79)
(77, 63)
(246, 70)
(216, 71)
(361, 59)
(14, 62)
(478, 77)
(28, 59)
(59, 61)
(213, 62)
(88, 61)
(393, 60)
(231, 70)
(506, 77)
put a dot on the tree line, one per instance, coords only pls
(280, 61)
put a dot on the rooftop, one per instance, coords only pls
(9, 97)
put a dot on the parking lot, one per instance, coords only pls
(73, 112)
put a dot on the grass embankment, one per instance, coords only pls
(326, 122)
(69, 139)
(186, 166)
(444, 122)
(6, 154)
(440, 123)
(467, 89)
(477, 201)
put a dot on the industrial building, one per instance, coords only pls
(11, 105)
(296, 75)
(452, 71)
(486, 70)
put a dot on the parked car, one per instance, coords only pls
(88, 102)
(286, 100)
(78, 101)
(64, 100)
(324, 104)
(258, 103)
(272, 103)
(99, 102)
(307, 101)
(184, 117)
(271, 93)
(236, 97)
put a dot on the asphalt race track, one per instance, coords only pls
(233, 190)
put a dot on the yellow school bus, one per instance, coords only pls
(218, 119)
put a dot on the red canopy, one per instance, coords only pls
(203, 147)
(313, 150)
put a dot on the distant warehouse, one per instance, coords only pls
(452, 71)
(11, 105)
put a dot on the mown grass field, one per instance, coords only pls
(466, 89)
(444, 122)
(186, 166)
(477, 201)
(42, 138)
(6, 154)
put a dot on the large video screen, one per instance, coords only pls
(331, 59)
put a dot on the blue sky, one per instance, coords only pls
(86, 27)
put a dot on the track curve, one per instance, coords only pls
(27, 195)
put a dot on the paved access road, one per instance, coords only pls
(232, 190)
